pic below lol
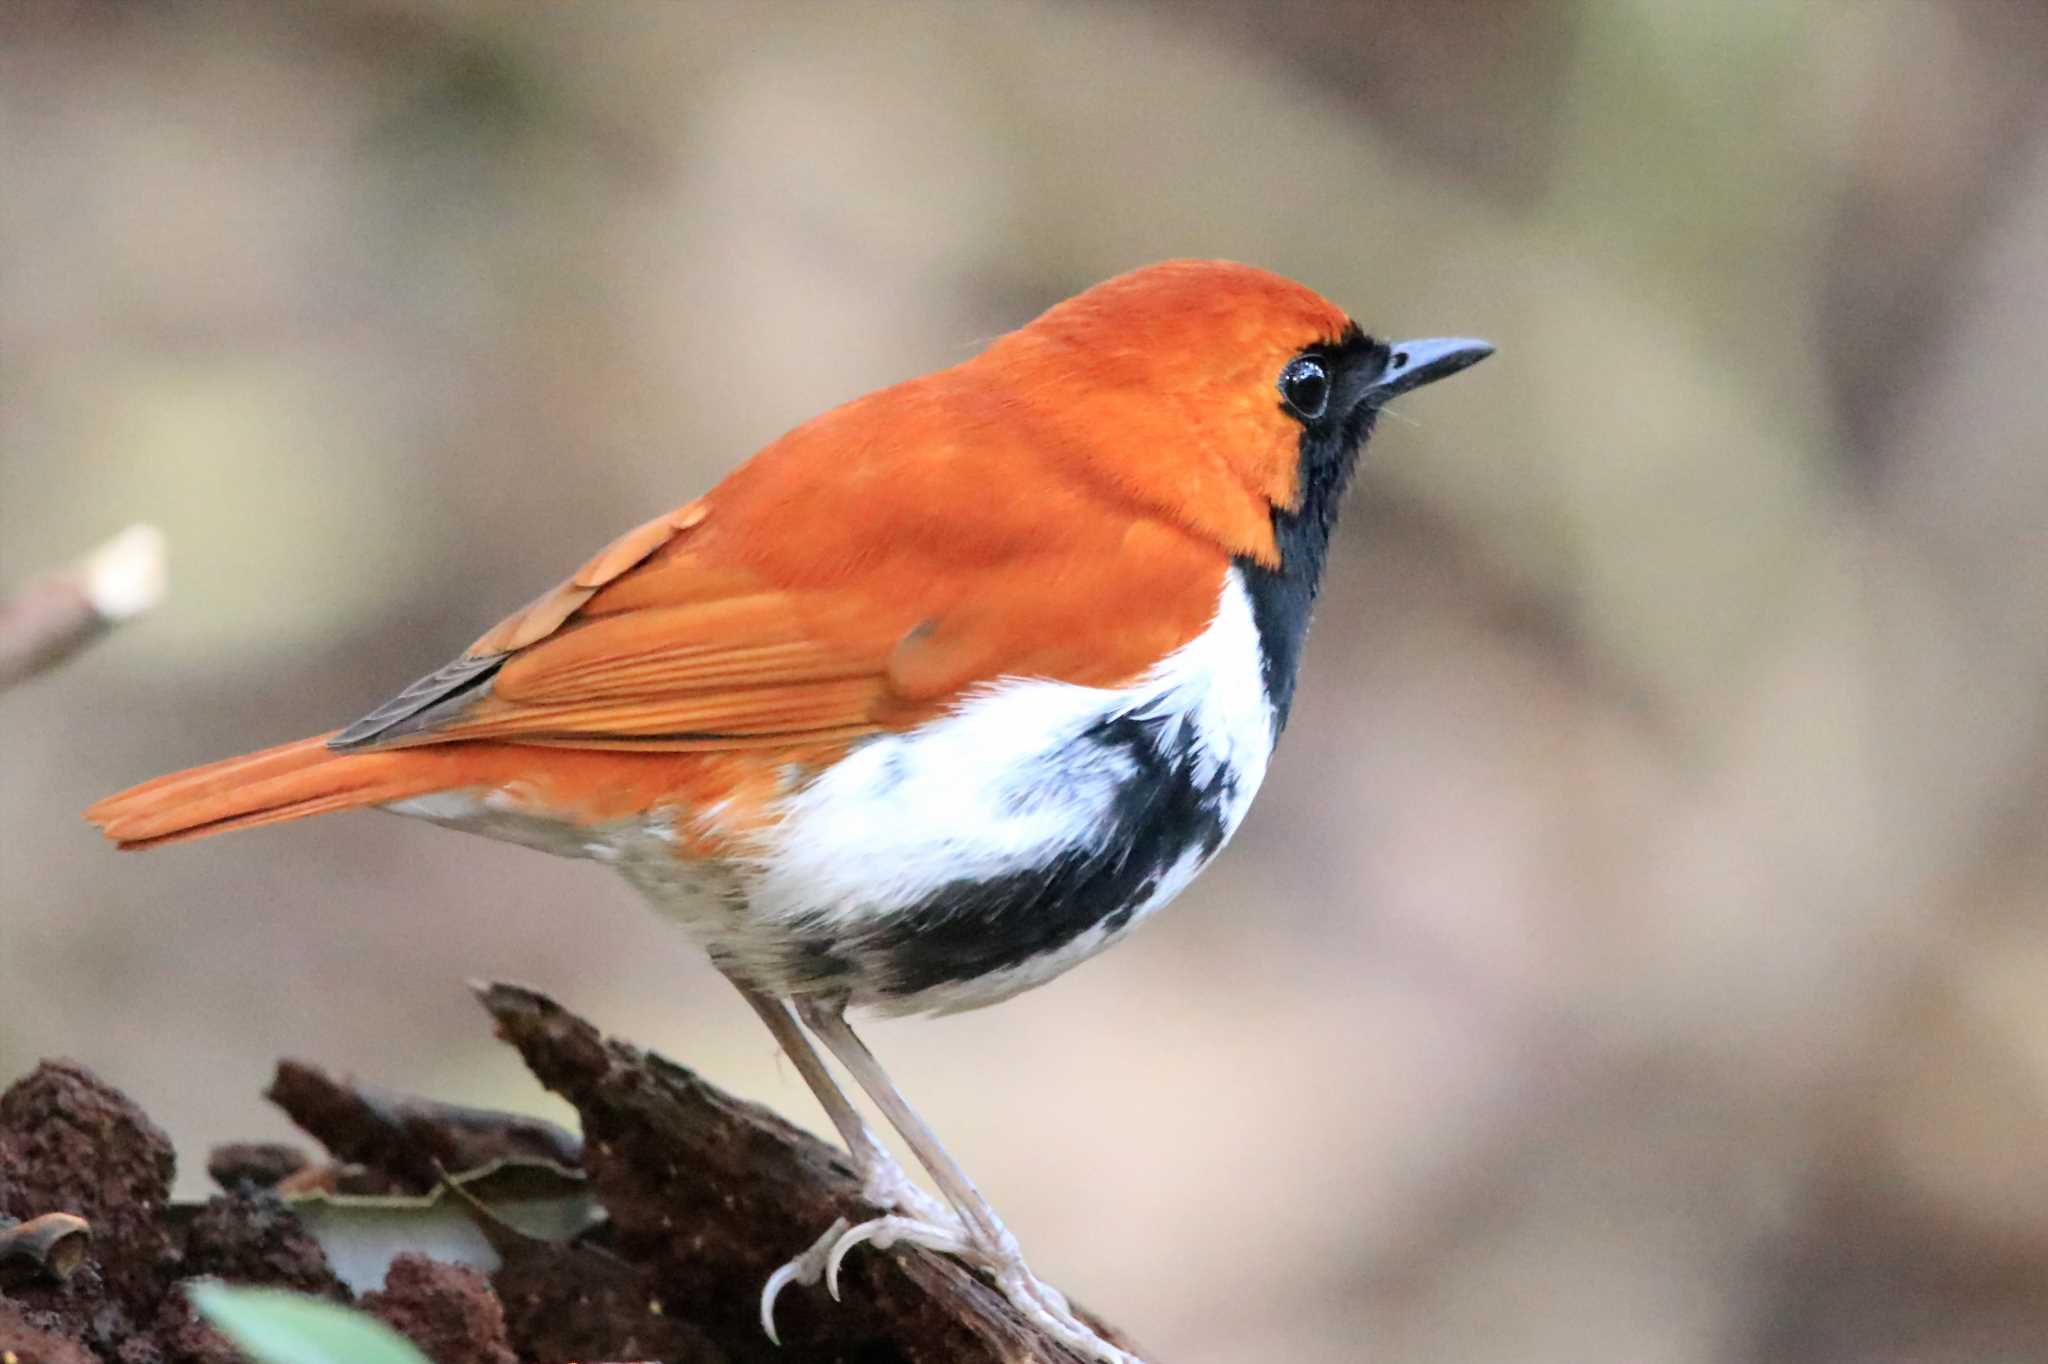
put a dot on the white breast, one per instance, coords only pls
(1001, 786)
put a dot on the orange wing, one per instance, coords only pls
(832, 587)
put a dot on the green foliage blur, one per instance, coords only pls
(274, 1326)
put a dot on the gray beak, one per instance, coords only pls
(1415, 363)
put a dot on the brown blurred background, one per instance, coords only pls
(1638, 952)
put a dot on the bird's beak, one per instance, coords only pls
(1412, 364)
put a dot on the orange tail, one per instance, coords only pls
(287, 782)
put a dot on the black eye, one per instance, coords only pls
(1305, 384)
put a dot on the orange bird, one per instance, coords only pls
(930, 700)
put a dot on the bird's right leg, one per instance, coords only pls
(884, 1183)
(977, 1233)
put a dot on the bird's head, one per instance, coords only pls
(1228, 397)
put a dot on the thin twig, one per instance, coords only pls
(54, 616)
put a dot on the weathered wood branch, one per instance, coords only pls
(648, 1240)
(410, 1142)
(710, 1194)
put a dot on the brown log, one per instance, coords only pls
(710, 1194)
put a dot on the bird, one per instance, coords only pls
(933, 698)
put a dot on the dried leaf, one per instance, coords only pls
(54, 1244)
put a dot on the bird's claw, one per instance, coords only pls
(918, 1219)
(805, 1269)
(885, 1232)
(828, 1253)
(1039, 1302)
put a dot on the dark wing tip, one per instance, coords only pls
(423, 706)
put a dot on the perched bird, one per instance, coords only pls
(933, 698)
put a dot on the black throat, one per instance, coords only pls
(1283, 598)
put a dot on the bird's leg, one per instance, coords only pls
(883, 1182)
(988, 1240)
(830, 1024)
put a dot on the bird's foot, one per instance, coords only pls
(1046, 1307)
(886, 1186)
(914, 1217)
(1037, 1301)
(828, 1252)
(805, 1269)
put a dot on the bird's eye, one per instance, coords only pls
(1305, 384)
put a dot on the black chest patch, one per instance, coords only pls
(1162, 810)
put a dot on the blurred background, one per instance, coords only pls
(1637, 953)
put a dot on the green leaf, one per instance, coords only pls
(276, 1327)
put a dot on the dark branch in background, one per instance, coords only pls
(54, 616)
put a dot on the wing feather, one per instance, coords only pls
(825, 591)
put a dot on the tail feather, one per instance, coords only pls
(287, 782)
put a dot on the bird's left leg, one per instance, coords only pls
(883, 1182)
(988, 1240)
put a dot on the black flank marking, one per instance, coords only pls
(973, 928)
(1282, 599)
(817, 958)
